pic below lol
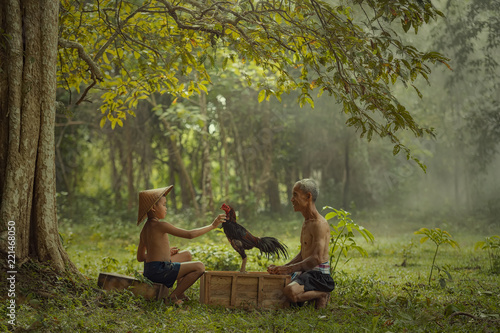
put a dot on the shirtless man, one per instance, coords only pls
(310, 269)
(163, 264)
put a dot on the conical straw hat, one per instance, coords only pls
(148, 198)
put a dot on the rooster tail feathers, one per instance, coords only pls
(270, 245)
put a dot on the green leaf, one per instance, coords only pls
(105, 58)
(421, 231)
(396, 150)
(262, 95)
(330, 215)
(423, 239)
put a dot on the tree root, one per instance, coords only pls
(478, 319)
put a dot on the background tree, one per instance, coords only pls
(27, 107)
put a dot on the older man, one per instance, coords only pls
(310, 269)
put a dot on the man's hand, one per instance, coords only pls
(221, 218)
(279, 270)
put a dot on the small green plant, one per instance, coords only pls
(492, 245)
(217, 257)
(342, 236)
(439, 237)
(406, 252)
(109, 264)
(444, 275)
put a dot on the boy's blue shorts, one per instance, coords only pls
(164, 272)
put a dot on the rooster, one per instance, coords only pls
(242, 240)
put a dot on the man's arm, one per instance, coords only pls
(298, 258)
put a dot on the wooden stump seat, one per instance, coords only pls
(113, 281)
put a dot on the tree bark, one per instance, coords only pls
(27, 109)
(274, 194)
(184, 175)
(347, 176)
(207, 201)
(240, 160)
(115, 175)
(223, 156)
(264, 150)
(129, 166)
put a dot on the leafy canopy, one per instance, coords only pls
(348, 49)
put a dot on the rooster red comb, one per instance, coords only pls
(225, 208)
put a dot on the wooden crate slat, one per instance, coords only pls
(234, 281)
(260, 289)
(235, 289)
(202, 289)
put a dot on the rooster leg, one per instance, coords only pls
(243, 265)
(238, 246)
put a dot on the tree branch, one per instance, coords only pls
(94, 69)
(82, 98)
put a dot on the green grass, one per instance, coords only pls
(373, 294)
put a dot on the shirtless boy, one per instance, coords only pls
(163, 264)
(310, 269)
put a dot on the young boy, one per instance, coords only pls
(163, 264)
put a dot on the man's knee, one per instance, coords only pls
(291, 292)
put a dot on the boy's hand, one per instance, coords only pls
(218, 220)
(174, 250)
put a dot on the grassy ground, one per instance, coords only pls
(373, 294)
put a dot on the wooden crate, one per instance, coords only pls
(113, 281)
(244, 290)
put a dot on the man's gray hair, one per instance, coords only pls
(309, 186)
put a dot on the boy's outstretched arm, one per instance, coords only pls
(193, 233)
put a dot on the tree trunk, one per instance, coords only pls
(264, 151)
(115, 175)
(27, 110)
(129, 166)
(274, 195)
(240, 160)
(207, 200)
(223, 156)
(172, 196)
(347, 178)
(175, 154)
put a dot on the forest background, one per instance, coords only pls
(236, 144)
